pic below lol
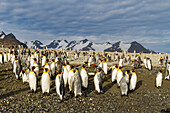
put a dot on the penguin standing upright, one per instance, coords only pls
(100, 63)
(114, 73)
(52, 67)
(1, 58)
(32, 59)
(32, 80)
(119, 76)
(24, 75)
(5, 57)
(149, 62)
(47, 66)
(9, 56)
(36, 70)
(121, 62)
(133, 80)
(71, 79)
(77, 83)
(84, 77)
(18, 68)
(98, 81)
(44, 60)
(167, 71)
(89, 61)
(59, 82)
(45, 81)
(105, 67)
(159, 79)
(145, 62)
(65, 75)
(124, 83)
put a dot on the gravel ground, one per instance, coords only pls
(16, 96)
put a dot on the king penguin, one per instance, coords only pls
(105, 67)
(59, 82)
(5, 57)
(1, 58)
(133, 80)
(84, 77)
(159, 79)
(33, 80)
(45, 81)
(77, 83)
(167, 71)
(24, 75)
(53, 67)
(65, 75)
(44, 60)
(119, 76)
(71, 79)
(114, 73)
(98, 81)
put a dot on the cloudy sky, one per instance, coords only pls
(144, 21)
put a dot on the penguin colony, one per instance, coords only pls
(26, 64)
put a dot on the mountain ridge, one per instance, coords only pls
(86, 45)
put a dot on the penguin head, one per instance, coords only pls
(161, 71)
(23, 71)
(35, 59)
(46, 69)
(53, 60)
(32, 68)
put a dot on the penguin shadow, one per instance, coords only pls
(165, 111)
(3, 79)
(138, 85)
(107, 78)
(107, 87)
(3, 75)
(13, 93)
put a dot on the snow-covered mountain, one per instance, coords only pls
(34, 43)
(86, 45)
(2, 35)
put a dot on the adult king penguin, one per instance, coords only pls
(53, 67)
(77, 83)
(105, 67)
(65, 75)
(45, 81)
(33, 80)
(119, 76)
(114, 73)
(98, 81)
(44, 60)
(84, 77)
(59, 82)
(71, 79)
(159, 79)
(1, 58)
(133, 80)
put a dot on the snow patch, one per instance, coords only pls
(101, 47)
(124, 46)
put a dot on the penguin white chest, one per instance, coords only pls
(105, 68)
(45, 82)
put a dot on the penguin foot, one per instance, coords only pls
(59, 101)
(101, 92)
(48, 94)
